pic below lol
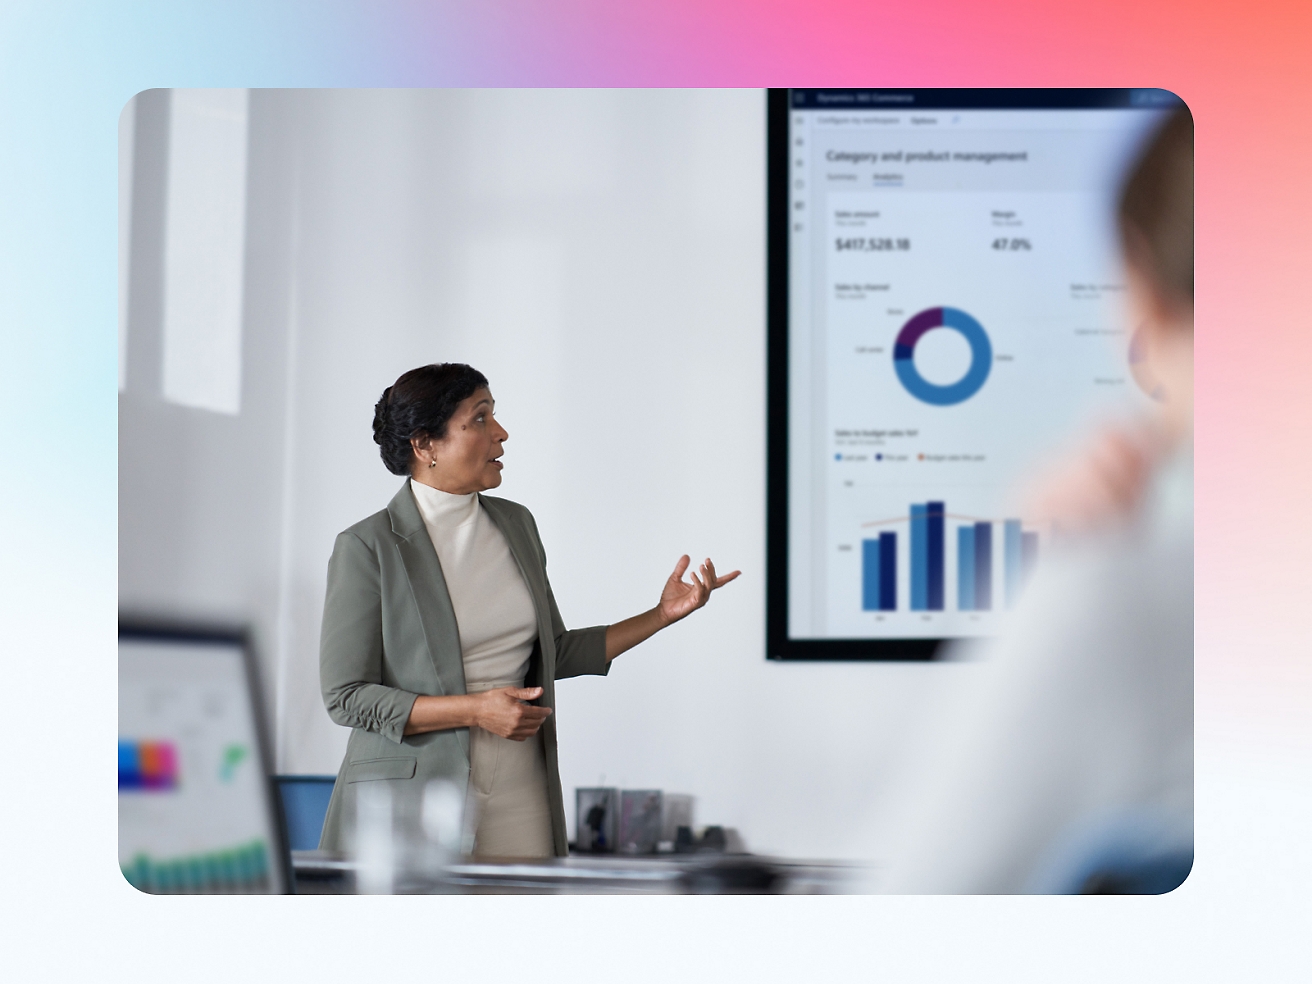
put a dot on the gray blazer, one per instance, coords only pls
(390, 634)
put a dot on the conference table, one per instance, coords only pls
(322, 872)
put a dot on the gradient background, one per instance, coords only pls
(66, 69)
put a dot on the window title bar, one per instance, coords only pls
(983, 99)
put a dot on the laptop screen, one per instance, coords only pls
(195, 810)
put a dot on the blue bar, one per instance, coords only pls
(870, 575)
(1029, 554)
(934, 548)
(966, 568)
(919, 558)
(983, 567)
(888, 572)
(1011, 560)
(129, 765)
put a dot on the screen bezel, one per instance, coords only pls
(136, 627)
(778, 105)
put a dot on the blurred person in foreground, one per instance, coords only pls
(1064, 761)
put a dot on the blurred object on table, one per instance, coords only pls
(677, 812)
(322, 872)
(640, 820)
(597, 811)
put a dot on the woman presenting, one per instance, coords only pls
(439, 626)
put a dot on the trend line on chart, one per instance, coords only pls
(907, 519)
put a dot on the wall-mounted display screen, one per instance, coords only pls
(946, 308)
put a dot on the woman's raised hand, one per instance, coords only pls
(681, 597)
(503, 712)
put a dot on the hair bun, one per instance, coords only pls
(381, 415)
(418, 406)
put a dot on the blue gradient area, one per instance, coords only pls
(66, 72)
(58, 253)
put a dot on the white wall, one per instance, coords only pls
(600, 256)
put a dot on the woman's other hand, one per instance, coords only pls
(504, 712)
(680, 597)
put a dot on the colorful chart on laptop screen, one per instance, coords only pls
(194, 807)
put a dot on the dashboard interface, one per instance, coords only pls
(947, 308)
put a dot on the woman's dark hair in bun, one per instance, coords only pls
(418, 405)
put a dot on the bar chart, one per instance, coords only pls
(927, 564)
(242, 868)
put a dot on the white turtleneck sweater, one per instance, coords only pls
(498, 624)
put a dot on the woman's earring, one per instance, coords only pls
(432, 464)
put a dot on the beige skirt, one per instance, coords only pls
(507, 798)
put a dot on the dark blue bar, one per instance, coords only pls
(892, 99)
(983, 567)
(934, 541)
(888, 572)
(869, 575)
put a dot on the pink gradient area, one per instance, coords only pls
(857, 42)
(1245, 72)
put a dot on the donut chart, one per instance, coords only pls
(904, 351)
